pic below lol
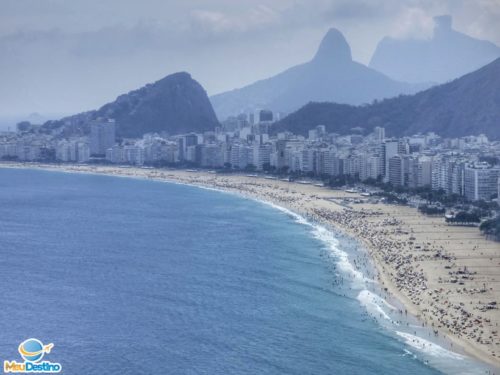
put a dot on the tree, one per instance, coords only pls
(392, 198)
(266, 167)
(491, 227)
(250, 168)
(284, 170)
(431, 210)
(464, 217)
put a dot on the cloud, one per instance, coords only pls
(362, 9)
(413, 23)
(60, 55)
(219, 22)
(481, 19)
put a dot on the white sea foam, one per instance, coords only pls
(298, 218)
(321, 233)
(369, 300)
(332, 244)
(408, 353)
(428, 347)
(373, 304)
(327, 237)
(443, 359)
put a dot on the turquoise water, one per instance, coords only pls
(131, 276)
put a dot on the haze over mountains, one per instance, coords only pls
(331, 75)
(449, 54)
(466, 106)
(174, 104)
(178, 104)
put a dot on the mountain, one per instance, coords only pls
(466, 106)
(331, 75)
(175, 104)
(447, 55)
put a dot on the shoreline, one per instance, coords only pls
(406, 272)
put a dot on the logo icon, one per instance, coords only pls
(32, 350)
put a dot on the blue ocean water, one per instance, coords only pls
(129, 276)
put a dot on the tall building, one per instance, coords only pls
(280, 154)
(115, 154)
(134, 154)
(481, 182)
(265, 116)
(102, 136)
(352, 165)
(403, 146)
(321, 129)
(370, 168)
(184, 142)
(410, 165)
(261, 156)
(389, 150)
(327, 163)
(241, 156)
(72, 151)
(317, 133)
(447, 174)
(308, 160)
(251, 118)
(424, 172)
(211, 156)
(396, 171)
(379, 133)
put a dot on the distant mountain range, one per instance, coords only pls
(175, 104)
(466, 106)
(331, 75)
(447, 55)
(178, 104)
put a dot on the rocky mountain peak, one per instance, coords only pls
(333, 48)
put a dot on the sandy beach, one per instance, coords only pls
(447, 276)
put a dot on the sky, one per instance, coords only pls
(60, 57)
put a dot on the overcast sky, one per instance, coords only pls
(65, 56)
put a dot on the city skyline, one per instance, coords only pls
(467, 166)
(253, 187)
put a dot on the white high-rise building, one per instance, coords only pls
(77, 151)
(389, 150)
(379, 133)
(327, 163)
(424, 172)
(481, 182)
(82, 152)
(370, 168)
(396, 171)
(308, 160)
(261, 155)
(102, 136)
(211, 156)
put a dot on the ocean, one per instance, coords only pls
(130, 276)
